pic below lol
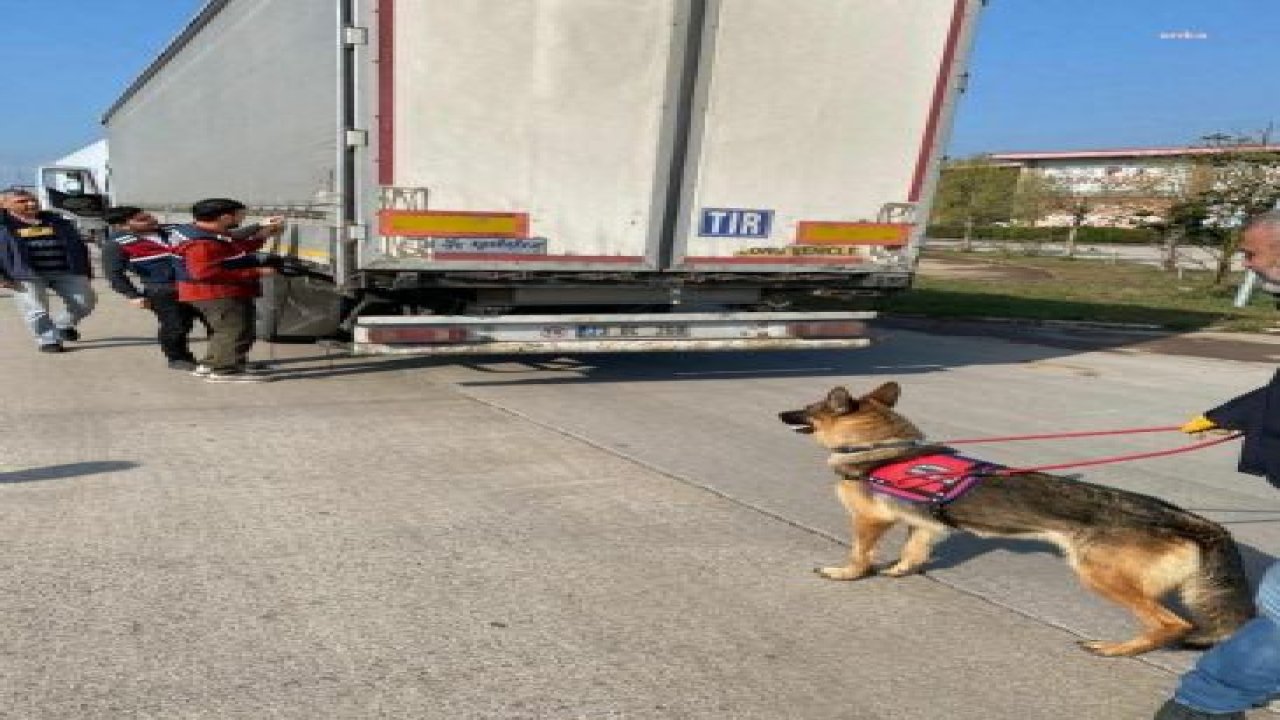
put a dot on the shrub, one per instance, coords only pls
(1098, 235)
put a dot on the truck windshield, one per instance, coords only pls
(72, 190)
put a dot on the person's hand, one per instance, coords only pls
(140, 302)
(273, 226)
(1203, 425)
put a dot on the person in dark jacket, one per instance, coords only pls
(140, 245)
(221, 279)
(1243, 671)
(42, 252)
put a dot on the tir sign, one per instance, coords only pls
(731, 223)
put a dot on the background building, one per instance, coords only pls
(1114, 187)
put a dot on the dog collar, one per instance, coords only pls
(887, 445)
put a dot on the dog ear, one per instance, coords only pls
(840, 402)
(887, 394)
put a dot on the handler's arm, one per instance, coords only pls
(114, 266)
(1240, 413)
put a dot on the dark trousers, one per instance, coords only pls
(176, 320)
(231, 331)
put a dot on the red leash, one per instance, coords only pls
(924, 480)
(1121, 458)
(1051, 436)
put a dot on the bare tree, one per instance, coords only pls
(1241, 178)
(1163, 200)
(1109, 199)
(1032, 198)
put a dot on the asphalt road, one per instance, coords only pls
(592, 537)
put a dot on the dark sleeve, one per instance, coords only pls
(247, 260)
(245, 231)
(249, 246)
(1247, 411)
(6, 247)
(78, 246)
(114, 266)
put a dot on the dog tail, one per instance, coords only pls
(1217, 593)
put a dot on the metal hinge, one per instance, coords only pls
(353, 35)
(355, 138)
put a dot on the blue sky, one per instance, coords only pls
(1047, 74)
(66, 61)
(1071, 74)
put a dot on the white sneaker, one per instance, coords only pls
(204, 370)
(236, 376)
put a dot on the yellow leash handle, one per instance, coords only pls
(1198, 424)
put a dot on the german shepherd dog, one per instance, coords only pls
(1129, 548)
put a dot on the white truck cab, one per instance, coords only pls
(73, 192)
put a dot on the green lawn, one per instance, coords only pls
(1059, 289)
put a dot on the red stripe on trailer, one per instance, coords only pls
(500, 257)
(386, 91)
(775, 260)
(939, 98)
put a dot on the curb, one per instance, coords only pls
(1032, 322)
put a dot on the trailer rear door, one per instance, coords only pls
(815, 124)
(526, 134)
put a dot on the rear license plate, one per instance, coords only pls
(590, 332)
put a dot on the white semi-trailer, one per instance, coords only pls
(492, 176)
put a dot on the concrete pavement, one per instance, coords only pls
(616, 537)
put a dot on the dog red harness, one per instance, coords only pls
(935, 479)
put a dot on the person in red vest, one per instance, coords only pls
(220, 277)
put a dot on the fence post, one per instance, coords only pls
(1246, 288)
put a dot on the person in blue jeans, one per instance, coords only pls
(40, 252)
(1243, 671)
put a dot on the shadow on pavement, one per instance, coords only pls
(942, 304)
(957, 549)
(886, 358)
(109, 342)
(339, 366)
(69, 470)
(893, 353)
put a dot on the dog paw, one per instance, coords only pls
(1108, 649)
(1200, 641)
(901, 570)
(843, 573)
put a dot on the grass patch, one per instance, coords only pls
(1059, 289)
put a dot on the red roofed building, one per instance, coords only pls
(1117, 182)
